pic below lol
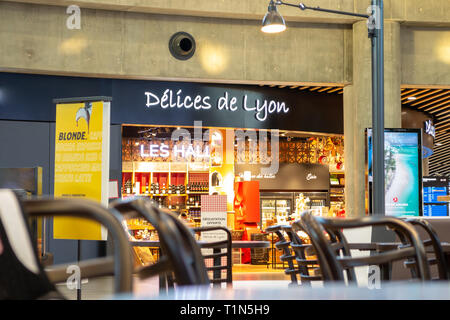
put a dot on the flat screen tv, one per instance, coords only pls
(402, 170)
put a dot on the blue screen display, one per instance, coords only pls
(430, 210)
(431, 194)
(402, 170)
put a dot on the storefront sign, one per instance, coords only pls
(429, 128)
(81, 163)
(290, 176)
(163, 150)
(262, 109)
(180, 103)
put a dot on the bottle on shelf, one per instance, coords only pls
(128, 186)
(169, 189)
(146, 188)
(188, 188)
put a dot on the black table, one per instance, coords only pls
(332, 291)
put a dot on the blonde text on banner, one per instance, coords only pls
(81, 163)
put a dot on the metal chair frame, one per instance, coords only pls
(334, 253)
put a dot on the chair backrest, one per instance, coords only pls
(176, 240)
(306, 266)
(434, 242)
(284, 245)
(21, 274)
(334, 252)
(217, 255)
(122, 264)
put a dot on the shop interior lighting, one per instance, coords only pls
(412, 98)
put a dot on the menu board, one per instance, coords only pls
(433, 187)
(402, 170)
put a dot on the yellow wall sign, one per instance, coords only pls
(81, 163)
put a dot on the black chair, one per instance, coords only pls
(285, 246)
(21, 274)
(217, 254)
(307, 268)
(434, 242)
(333, 251)
(181, 253)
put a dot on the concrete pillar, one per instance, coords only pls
(358, 108)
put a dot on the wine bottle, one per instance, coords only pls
(187, 188)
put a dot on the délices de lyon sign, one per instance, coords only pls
(176, 99)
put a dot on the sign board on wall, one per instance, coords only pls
(290, 176)
(238, 106)
(81, 163)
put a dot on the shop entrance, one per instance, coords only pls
(177, 166)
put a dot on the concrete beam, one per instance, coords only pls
(34, 38)
(425, 56)
(416, 12)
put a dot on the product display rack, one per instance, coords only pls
(148, 177)
(337, 190)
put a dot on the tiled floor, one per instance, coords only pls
(244, 276)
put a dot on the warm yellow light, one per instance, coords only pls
(273, 28)
(213, 57)
(73, 45)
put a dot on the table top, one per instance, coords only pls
(383, 246)
(234, 244)
(389, 291)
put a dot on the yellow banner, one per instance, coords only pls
(81, 163)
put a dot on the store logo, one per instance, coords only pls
(429, 128)
(395, 199)
(84, 113)
(311, 176)
(176, 99)
(163, 150)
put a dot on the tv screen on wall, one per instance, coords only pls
(402, 169)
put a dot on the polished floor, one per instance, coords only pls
(244, 276)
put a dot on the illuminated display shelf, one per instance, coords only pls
(140, 227)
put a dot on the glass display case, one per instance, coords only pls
(276, 208)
